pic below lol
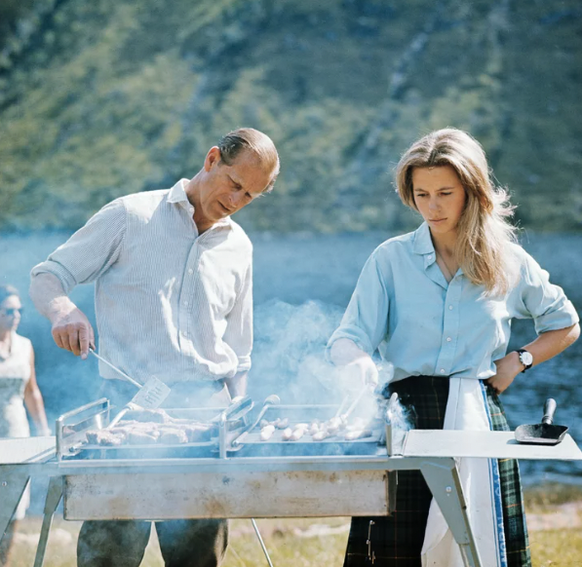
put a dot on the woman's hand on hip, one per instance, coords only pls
(508, 368)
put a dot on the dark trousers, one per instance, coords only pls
(184, 543)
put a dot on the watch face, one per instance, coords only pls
(526, 357)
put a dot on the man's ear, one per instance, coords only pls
(212, 158)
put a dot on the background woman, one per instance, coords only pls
(437, 304)
(17, 387)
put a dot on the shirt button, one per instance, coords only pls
(449, 339)
(442, 370)
(190, 271)
(450, 307)
(185, 303)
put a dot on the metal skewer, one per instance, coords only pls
(355, 403)
(120, 372)
(256, 528)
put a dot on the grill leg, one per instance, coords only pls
(53, 497)
(445, 485)
(12, 485)
(256, 528)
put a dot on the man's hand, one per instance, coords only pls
(508, 368)
(72, 331)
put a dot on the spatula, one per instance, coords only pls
(151, 394)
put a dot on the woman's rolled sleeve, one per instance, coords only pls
(543, 301)
(365, 321)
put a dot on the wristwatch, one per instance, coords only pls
(525, 358)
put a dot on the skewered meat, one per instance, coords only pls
(137, 432)
(267, 432)
(321, 434)
(281, 423)
(314, 428)
(299, 431)
(297, 434)
(286, 435)
(106, 438)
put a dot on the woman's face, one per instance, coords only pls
(10, 311)
(439, 197)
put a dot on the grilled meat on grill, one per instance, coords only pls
(140, 432)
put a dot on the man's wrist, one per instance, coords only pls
(59, 307)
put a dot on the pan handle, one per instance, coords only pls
(549, 410)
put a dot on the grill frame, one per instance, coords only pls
(431, 452)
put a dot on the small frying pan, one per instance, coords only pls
(544, 433)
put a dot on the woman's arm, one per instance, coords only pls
(34, 402)
(546, 346)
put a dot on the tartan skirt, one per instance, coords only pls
(397, 540)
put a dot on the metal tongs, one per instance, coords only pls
(151, 394)
(343, 415)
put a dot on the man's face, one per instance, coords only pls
(226, 189)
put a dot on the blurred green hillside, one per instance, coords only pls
(99, 98)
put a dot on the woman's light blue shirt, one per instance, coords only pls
(404, 307)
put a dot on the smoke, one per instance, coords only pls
(289, 353)
(397, 415)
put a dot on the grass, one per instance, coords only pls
(554, 515)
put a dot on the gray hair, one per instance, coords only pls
(249, 139)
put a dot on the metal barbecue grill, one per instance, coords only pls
(236, 474)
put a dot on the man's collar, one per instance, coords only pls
(178, 195)
(178, 192)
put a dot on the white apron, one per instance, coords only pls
(467, 409)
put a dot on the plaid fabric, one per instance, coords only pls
(396, 540)
(516, 537)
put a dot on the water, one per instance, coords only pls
(302, 284)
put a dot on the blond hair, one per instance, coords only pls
(484, 230)
(249, 139)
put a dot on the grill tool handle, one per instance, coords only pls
(342, 405)
(271, 400)
(118, 417)
(352, 407)
(549, 411)
(120, 372)
(238, 408)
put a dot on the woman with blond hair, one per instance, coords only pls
(437, 304)
(18, 388)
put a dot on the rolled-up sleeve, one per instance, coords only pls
(239, 330)
(543, 301)
(365, 321)
(89, 252)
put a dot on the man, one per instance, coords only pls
(173, 299)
